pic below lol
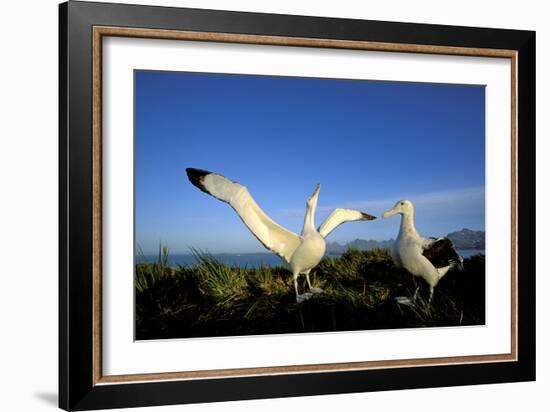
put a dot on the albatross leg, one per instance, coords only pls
(431, 294)
(300, 298)
(311, 288)
(416, 288)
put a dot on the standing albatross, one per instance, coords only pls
(428, 258)
(301, 253)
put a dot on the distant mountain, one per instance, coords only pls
(463, 239)
(468, 239)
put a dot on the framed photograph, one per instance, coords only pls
(256, 205)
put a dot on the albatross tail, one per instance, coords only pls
(455, 264)
(443, 271)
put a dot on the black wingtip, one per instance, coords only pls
(366, 216)
(196, 177)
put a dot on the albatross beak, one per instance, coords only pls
(312, 201)
(366, 216)
(315, 194)
(317, 190)
(389, 213)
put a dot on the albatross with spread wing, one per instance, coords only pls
(301, 253)
(428, 258)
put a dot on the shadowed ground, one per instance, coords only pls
(360, 290)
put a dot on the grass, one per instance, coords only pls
(360, 291)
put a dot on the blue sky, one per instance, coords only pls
(368, 143)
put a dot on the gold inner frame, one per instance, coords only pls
(100, 31)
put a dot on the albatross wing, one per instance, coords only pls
(339, 216)
(440, 252)
(273, 236)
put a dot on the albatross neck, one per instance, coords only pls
(309, 221)
(407, 225)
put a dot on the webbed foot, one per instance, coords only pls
(404, 300)
(303, 297)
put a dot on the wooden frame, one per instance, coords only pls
(82, 27)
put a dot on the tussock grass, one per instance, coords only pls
(148, 274)
(360, 290)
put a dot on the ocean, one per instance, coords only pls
(251, 259)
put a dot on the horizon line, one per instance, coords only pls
(205, 250)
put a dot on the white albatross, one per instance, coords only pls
(427, 258)
(301, 253)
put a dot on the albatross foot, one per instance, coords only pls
(316, 290)
(303, 297)
(406, 301)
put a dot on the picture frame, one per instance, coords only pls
(83, 27)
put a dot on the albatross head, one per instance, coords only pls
(312, 201)
(403, 207)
